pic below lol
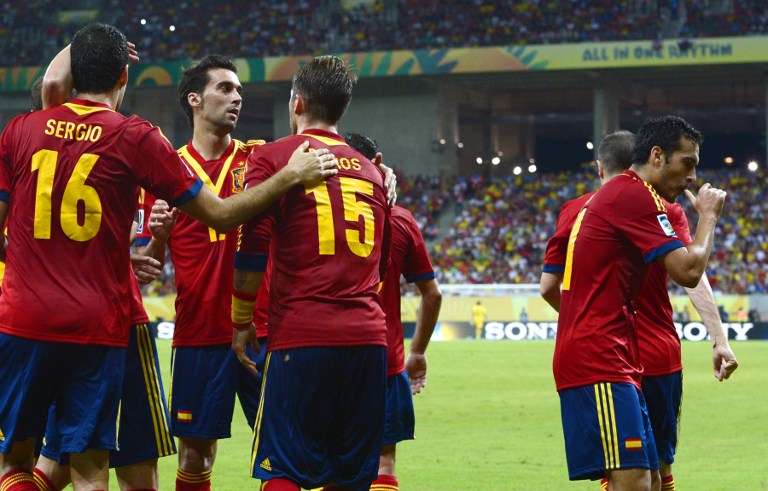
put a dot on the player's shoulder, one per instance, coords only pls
(397, 212)
(248, 145)
(576, 204)
(633, 193)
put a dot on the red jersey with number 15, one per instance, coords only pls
(327, 241)
(203, 257)
(615, 237)
(71, 175)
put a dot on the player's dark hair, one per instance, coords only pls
(36, 94)
(366, 146)
(325, 84)
(615, 151)
(663, 132)
(99, 55)
(195, 78)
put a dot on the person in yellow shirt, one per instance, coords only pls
(478, 318)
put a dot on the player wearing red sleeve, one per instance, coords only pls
(407, 257)
(206, 376)
(657, 338)
(323, 395)
(621, 230)
(71, 175)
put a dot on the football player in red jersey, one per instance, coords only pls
(615, 236)
(321, 418)
(57, 167)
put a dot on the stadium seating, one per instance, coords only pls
(500, 229)
(165, 30)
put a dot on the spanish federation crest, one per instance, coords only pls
(238, 179)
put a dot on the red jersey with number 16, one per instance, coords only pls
(615, 237)
(327, 241)
(71, 175)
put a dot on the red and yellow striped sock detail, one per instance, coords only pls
(385, 483)
(42, 481)
(190, 481)
(668, 483)
(18, 480)
(603, 484)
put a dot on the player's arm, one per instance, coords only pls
(723, 360)
(162, 219)
(549, 287)
(145, 268)
(245, 290)
(429, 311)
(686, 265)
(225, 214)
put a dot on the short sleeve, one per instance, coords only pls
(162, 172)
(645, 223)
(417, 265)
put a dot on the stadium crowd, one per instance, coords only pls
(188, 29)
(500, 229)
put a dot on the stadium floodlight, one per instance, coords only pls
(590, 145)
(532, 168)
(495, 161)
(728, 160)
(479, 160)
(143, 22)
(531, 160)
(442, 141)
(752, 166)
(460, 145)
(172, 28)
(500, 153)
(517, 170)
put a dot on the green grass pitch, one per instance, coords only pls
(489, 421)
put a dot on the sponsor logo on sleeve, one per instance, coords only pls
(666, 226)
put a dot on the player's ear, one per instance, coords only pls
(193, 98)
(297, 104)
(123, 78)
(657, 157)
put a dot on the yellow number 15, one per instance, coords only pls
(44, 163)
(353, 209)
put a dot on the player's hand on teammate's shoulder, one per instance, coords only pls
(309, 167)
(390, 180)
(709, 200)
(145, 268)
(162, 218)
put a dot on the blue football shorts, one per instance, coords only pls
(606, 427)
(144, 425)
(399, 421)
(205, 380)
(322, 416)
(664, 396)
(83, 381)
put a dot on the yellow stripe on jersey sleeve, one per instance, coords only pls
(331, 142)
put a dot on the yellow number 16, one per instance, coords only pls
(44, 162)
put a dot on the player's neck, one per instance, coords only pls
(110, 99)
(315, 125)
(210, 145)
